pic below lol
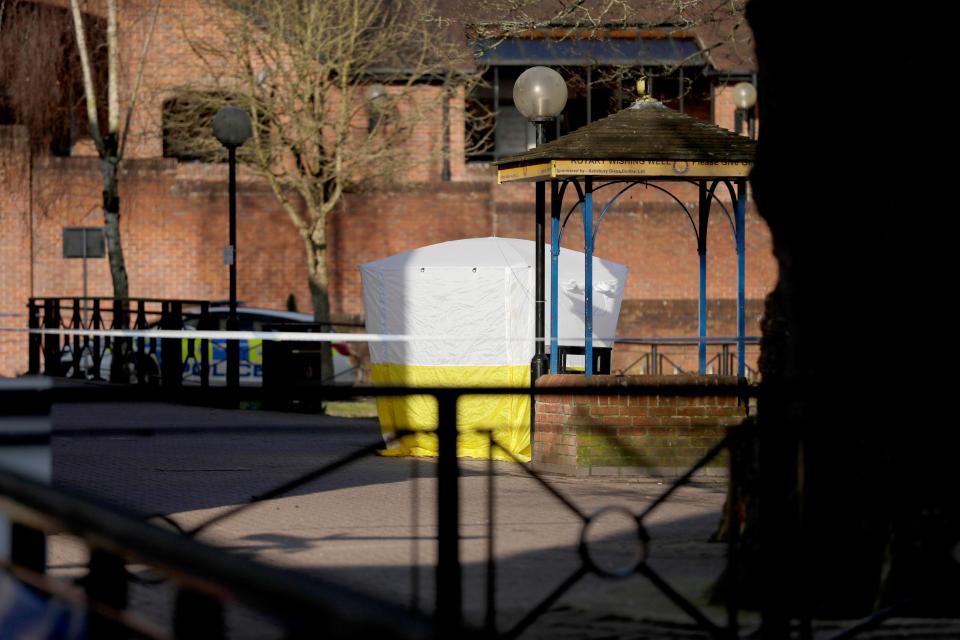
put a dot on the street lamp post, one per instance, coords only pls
(540, 94)
(745, 97)
(231, 126)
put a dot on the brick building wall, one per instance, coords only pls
(174, 220)
(15, 245)
(174, 225)
(373, 226)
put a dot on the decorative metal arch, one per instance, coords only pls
(706, 197)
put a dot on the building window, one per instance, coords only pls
(188, 127)
(601, 74)
(41, 84)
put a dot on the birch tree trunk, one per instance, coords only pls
(110, 160)
(110, 146)
(111, 219)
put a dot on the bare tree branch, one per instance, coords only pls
(89, 89)
(141, 63)
(113, 71)
(303, 72)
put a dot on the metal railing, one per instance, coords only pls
(678, 355)
(207, 575)
(130, 359)
(92, 356)
(65, 339)
(448, 620)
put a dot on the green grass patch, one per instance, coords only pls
(365, 408)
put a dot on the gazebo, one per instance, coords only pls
(644, 144)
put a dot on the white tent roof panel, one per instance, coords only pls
(472, 302)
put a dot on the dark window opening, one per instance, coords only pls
(594, 92)
(40, 77)
(188, 127)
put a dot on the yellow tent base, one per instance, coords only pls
(507, 417)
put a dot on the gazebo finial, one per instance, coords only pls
(645, 101)
(642, 95)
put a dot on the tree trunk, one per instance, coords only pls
(856, 500)
(320, 300)
(111, 221)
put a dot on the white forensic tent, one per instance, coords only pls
(469, 305)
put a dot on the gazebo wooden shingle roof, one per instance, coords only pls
(645, 140)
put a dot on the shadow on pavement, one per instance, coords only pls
(355, 526)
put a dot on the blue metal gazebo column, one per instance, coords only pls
(740, 209)
(588, 276)
(555, 205)
(704, 214)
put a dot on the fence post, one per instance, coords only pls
(118, 345)
(25, 449)
(51, 341)
(106, 585)
(141, 357)
(34, 339)
(198, 615)
(171, 355)
(203, 324)
(96, 321)
(76, 346)
(449, 587)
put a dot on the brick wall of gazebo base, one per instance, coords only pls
(652, 435)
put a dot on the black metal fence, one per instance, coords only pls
(118, 539)
(678, 356)
(114, 539)
(81, 353)
(66, 340)
(208, 575)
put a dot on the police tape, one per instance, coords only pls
(275, 336)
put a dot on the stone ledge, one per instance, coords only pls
(576, 380)
(659, 434)
(707, 474)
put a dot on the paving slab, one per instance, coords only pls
(372, 525)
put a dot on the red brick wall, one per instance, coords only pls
(174, 217)
(15, 245)
(174, 226)
(373, 226)
(631, 435)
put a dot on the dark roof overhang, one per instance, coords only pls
(624, 47)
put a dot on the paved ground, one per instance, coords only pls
(367, 524)
(357, 526)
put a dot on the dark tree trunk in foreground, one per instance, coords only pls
(858, 500)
